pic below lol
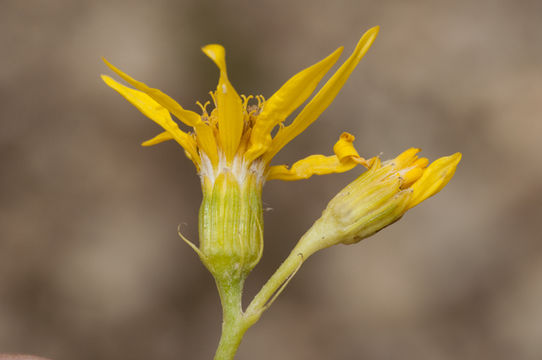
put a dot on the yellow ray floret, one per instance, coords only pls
(159, 115)
(346, 157)
(158, 139)
(204, 134)
(323, 98)
(190, 118)
(283, 102)
(228, 104)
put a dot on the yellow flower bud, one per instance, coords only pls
(378, 198)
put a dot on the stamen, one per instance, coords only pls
(246, 99)
(261, 101)
(203, 108)
(212, 93)
(253, 110)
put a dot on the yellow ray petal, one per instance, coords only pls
(154, 111)
(160, 138)
(409, 177)
(434, 178)
(305, 168)
(229, 105)
(284, 101)
(345, 150)
(323, 98)
(207, 141)
(346, 157)
(189, 145)
(143, 103)
(190, 118)
(405, 159)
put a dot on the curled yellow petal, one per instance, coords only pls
(160, 138)
(344, 149)
(229, 104)
(434, 178)
(323, 98)
(284, 101)
(154, 111)
(346, 157)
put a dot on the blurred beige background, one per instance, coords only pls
(91, 266)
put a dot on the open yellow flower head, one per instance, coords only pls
(237, 134)
(232, 146)
(378, 198)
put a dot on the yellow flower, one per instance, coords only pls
(236, 135)
(378, 198)
(233, 144)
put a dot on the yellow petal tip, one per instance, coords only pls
(111, 66)
(109, 80)
(112, 83)
(457, 156)
(434, 178)
(374, 29)
(217, 53)
(367, 40)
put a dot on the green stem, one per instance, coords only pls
(233, 324)
(235, 321)
(275, 285)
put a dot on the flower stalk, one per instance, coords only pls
(233, 323)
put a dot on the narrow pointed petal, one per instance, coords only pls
(346, 157)
(229, 104)
(143, 103)
(434, 178)
(323, 98)
(283, 102)
(207, 141)
(158, 139)
(157, 113)
(190, 118)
